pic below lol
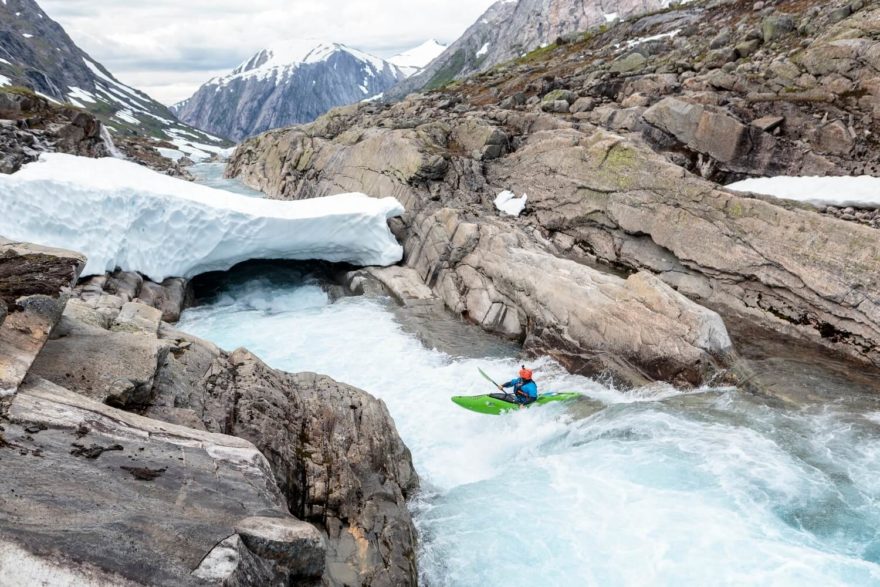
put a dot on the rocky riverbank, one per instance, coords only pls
(272, 477)
(619, 138)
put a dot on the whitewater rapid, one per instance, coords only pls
(650, 487)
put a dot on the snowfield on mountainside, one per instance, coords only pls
(122, 215)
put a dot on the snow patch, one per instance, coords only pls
(5, 81)
(858, 192)
(48, 97)
(415, 59)
(126, 115)
(172, 154)
(641, 40)
(483, 50)
(141, 220)
(507, 203)
(196, 150)
(93, 67)
(81, 95)
(27, 35)
(611, 17)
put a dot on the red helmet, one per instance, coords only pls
(525, 373)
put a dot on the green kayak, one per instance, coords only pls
(498, 403)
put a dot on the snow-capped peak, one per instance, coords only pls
(412, 60)
(290, 53)
(295, 53)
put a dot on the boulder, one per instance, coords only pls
(115, 367)
(104, 497)
(403, 283)
(557, 95)
(717, 58)
(768, 123)
(720, 40)
(711, 132)
(834, 138)
(293, 545)
(556, 106)
(476, 136)
(748, 48)
(628, 63)
(31, 124)
(777, 26)
(722, 137)
(583, 105)
(839, 14)
(35, 283)
(677, 117)
(169, 297)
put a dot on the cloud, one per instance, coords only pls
(168, 48)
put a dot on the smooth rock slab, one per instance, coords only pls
(148, 513)
(638, 329)
(114, 367)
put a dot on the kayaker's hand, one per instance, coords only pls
(501, 387)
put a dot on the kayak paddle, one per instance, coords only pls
(489, 379)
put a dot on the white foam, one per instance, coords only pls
(657, 488)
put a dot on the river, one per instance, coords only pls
(643, 487)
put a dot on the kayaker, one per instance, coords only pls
(525, 391)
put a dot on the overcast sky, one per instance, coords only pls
(168, 48)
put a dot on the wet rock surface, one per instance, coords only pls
(225, 451)
(333, 449)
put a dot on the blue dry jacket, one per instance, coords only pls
(527, 386)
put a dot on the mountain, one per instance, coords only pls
(286, 85)
(414, 60)
(511, 28)
(36, 52)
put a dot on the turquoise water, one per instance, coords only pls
(648, 487)
(211, 175)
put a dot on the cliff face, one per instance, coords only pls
(119, 435)
(512, 28)
(280, 87)
(618, 140)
